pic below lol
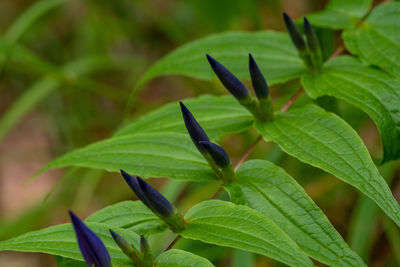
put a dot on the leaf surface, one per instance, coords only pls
(274, 52)
(181, 258)
(270, 190)
(169, 155)
(226, 224)
(377, 40)
(371, 90)
(130, 215)
(60, 240)
(340, 14)
(324, 140)
(217, 115)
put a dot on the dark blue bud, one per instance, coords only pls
(257, 79)
(149, 196)
(157, 201)
(234, 86)
(193, 127)
(217, 153)
(294, 33)
(134, 185)
(92, 248)
(312, 39)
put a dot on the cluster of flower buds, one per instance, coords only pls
(156, 202)
(310, 52)
(95, 253)
(92, 248)
(142, 258)
(213, 153)
(261, 107)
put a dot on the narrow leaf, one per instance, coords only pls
(180, 258)
(170, 155)
(377, 40)
(271, 191)
(275, 55)
(324, 140)
(226, 224)
(371, 90)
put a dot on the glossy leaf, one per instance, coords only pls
(340, 14)
(169, 155)
(377, 40)
(60, 240)
(324, 140)
(275, 54)
(270, 190)
(217, 115)
(226, 224)
(130, 215)
(371, 90)
(180, 258)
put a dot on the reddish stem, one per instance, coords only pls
(173, 242)
(292, 99)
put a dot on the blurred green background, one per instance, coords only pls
(67, 70)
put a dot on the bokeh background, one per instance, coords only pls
(75, 67)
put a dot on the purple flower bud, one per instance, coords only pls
(217, 153)
(134, 185)
(312, 39)
(149, 196)
(257, 79)
(294, 33)
(234, 86)
(194, 129)
(92, 248)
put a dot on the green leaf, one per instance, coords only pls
(340, 14)
(130, 215)
(181, 258)
(226, 224)
(274, 52)
(371, 90)
(170, 155)
(377, 40)
(66, 262)
(271, 191)
(60, 240)
(218, 115)
(324, 140)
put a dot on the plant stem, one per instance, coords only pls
(172, 244)
(292, 99)
(219, 191)
(248, 152)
